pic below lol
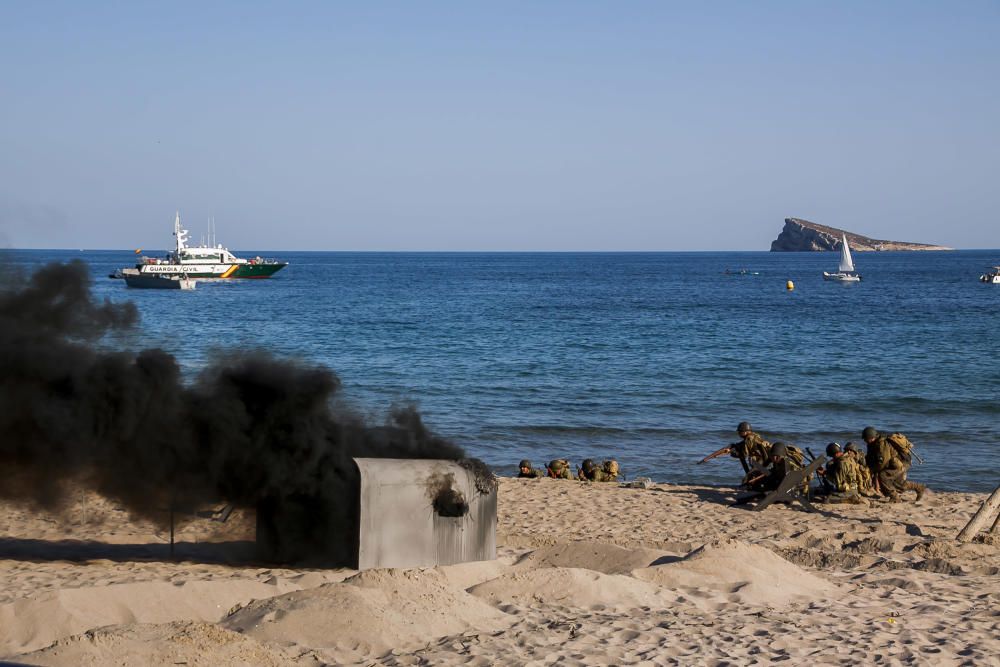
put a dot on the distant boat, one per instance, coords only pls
(136, 278)
(845, 272)
(205, 261)
(992, 276)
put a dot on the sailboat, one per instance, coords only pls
(845, 272)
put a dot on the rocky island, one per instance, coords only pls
(803, 236)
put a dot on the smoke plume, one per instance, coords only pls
(253, 429)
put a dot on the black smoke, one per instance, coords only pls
(253, 429)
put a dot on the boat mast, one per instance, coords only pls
(179, 233)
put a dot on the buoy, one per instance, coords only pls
(789, 285)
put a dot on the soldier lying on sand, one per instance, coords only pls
(591, 472)
(525, 470)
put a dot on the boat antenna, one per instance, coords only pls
(181, 234)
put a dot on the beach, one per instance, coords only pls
(586, 574)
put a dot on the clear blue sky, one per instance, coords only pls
(501, 126)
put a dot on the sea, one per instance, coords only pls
(648, 358)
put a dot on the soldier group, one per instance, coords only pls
(589, 471)
(849, 475)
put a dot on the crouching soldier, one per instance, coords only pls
(559, 469)
(889, 460)
(527, 471)
(840, 477)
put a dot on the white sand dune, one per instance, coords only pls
(747, 573)
(571, 587)
(37, 621)
(368, 614)
(162, 645)
(606, 558)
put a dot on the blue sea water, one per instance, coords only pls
(652, 358)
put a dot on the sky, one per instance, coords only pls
(475, 126)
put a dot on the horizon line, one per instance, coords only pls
(617, 251)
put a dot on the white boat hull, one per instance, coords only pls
(842, 277)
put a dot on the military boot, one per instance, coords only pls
(918, 488)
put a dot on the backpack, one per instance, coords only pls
(902, 445)
(559, 468)
(796, 455)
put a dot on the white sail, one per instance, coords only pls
(846, 263)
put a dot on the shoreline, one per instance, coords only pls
(586, 573)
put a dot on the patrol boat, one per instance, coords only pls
(992, 276)
(206, 261)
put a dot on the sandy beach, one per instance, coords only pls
(586, 574)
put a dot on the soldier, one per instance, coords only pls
(591, 472)
(865, 485)
(559, 469)
(527, 471)
(841, 476)
(889, 464)
(752, 450)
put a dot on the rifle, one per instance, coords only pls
(716, 454)
(726, 450)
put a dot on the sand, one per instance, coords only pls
(586, 574)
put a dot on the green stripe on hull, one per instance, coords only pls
(257, 270)
(238, 271)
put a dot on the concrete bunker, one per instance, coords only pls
(386, 513)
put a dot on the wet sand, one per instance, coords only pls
(587, 574)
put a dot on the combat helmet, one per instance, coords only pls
(869, 433)
(833, 449)
(525, 463)
(851, 447)
(744, 427)
(779, 449)
(588, 466)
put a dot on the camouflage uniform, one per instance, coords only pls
(844, 475)
(889, 468)
(526, 471)
(591, 472)
(866, 486)
(559, 468)
(597, 475)
(608, 472)
(754, 449)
